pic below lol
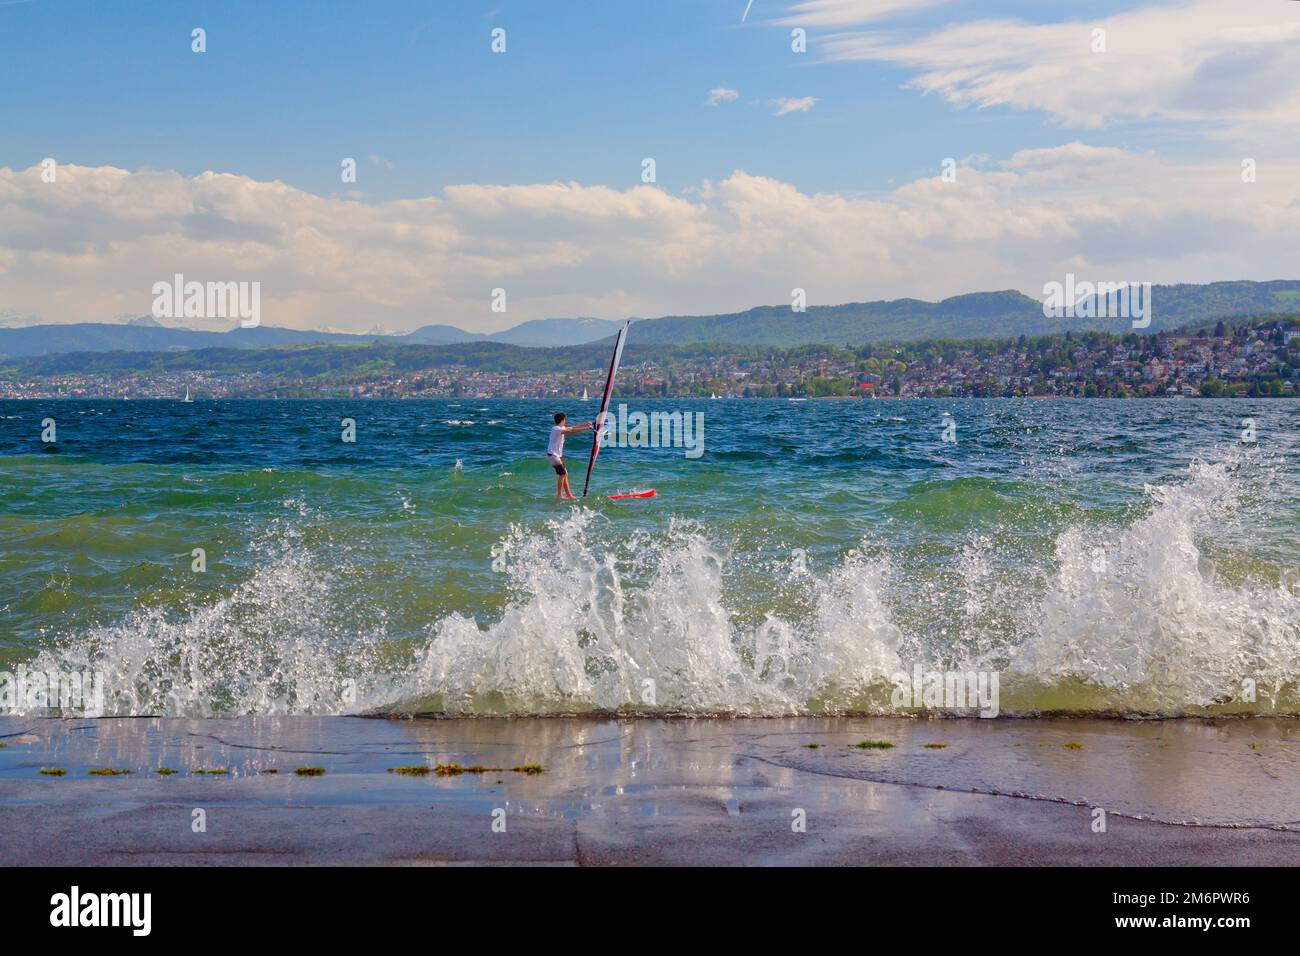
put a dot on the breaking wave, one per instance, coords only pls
(1151, 613)
(1148, 622)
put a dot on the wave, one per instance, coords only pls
(1153, 614)
(1146, 621)
(272, 646)
(642, 626)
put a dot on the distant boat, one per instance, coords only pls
(713, 395)
(187, 399)
(585, 398)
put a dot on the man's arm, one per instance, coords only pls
(576, 429)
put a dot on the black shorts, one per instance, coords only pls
(557, 464)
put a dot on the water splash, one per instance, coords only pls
(1143, 621)
(1140, 615)
(642, 624)
(274, 645)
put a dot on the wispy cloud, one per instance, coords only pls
(1194, 60)
(849, 13)
(720, 94)
(787, 104)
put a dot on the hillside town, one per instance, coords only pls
(1245, 360)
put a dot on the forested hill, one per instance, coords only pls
(979, 315)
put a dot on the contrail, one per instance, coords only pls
(746, 13)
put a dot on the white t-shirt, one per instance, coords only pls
(556, 445)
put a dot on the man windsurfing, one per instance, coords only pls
(555, 453)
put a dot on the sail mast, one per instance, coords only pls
(604, 402)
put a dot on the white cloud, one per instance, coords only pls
(90, 246)
(720, 94)
(786, 104)
(846, 13)
(1192, 60)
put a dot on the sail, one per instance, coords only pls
(604, 401)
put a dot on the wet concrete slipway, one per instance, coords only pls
(643, 791)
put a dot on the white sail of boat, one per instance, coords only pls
(584, 395)
(187, 395)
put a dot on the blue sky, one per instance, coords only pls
(584, 92)
(522, 170)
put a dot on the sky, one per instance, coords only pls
(1122, 140)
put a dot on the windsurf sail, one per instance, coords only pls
(604, 401)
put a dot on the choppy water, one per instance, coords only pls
(1127, 556)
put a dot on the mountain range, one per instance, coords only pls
(976, 315)
(144, 334)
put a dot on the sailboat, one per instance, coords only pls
(187, 400)
(585, 398)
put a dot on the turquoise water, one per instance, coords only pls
(1126, 556)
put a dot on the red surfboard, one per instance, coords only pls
(648, 493)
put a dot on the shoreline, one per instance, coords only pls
(933, 714)
(733, 791)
